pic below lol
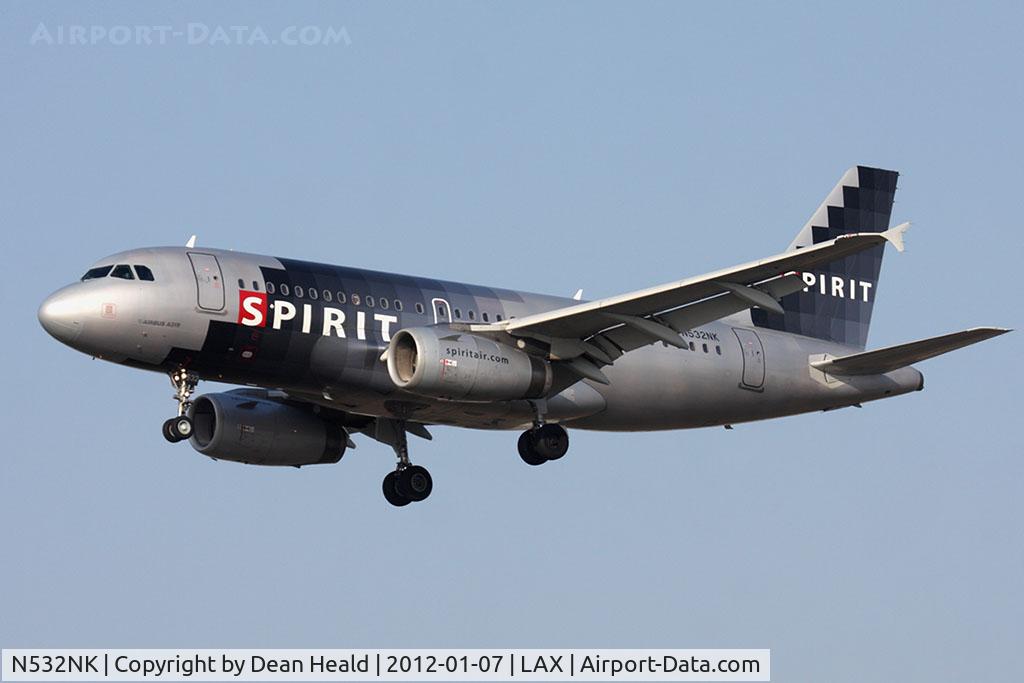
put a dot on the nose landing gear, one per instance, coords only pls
(177, 429)
(180, 428)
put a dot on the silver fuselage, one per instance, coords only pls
(327, 351)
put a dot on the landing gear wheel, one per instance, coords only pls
(550, 441)
(391, 494)
(527, 452)
(414, 483)
(179, 427)
(167, 431)
(408, 483)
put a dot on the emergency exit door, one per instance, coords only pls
(209, 283)
(753, 359)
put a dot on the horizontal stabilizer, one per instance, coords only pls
(894, 357)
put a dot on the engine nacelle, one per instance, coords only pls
(244, 426)
(442, 363)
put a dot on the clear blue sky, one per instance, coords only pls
(547, 147)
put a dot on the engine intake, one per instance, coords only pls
(244, 426)
(441, 363)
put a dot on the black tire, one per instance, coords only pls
(527, 452)
(414, 483)
(391, 494)
(551, 441)
(180, 427)
(167, 431)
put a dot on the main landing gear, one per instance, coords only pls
(408, 483)
(545, 441)
(541, 444)
(180, 428)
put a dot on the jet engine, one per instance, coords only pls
(442, 363)
(246, 426)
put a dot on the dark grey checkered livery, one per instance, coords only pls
(862, 202)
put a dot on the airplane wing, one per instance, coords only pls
(890, 358)
(595, 333)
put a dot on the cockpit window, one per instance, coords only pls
(122, 271)
(144, 273)
(94, 273)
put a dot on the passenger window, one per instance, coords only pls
(398, 305)
(369, 301)
(472, 315)
(486, 319)
(384, 303)
(327, 295)
(144, 273)
(94, 273)
(314, 294)
(355, 299)
(498, 317)
(419, 308)
(705, 347)
(284, 289)
(241, 283)
(458, 314)
(298, 291)
(718, 350)
(270, 288)
(692, 347)
(123, 272)
(440, 311)
(341, 297)
(255, 286)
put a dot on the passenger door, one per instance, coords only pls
(753, 359)
(209, 281)
(442, 311)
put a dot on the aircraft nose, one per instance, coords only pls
(61, 315)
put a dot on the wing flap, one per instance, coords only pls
(891, 358)
(688, 317)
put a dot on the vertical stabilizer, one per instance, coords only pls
(837, 303)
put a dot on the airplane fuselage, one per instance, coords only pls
(318, 331)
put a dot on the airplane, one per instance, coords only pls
(324, 352)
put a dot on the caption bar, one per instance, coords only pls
(386, 665)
